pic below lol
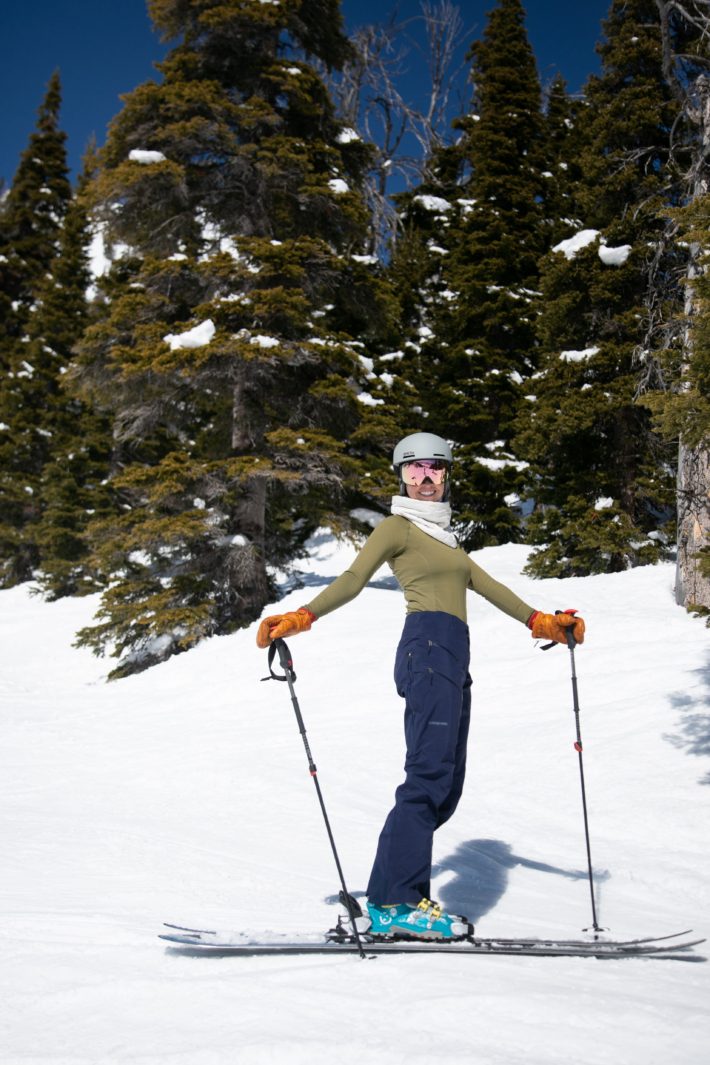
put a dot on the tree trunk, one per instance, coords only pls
(691, 587)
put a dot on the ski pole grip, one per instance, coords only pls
(284, 656)
(569, 635)
(285, 660)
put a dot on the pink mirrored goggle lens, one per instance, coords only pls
(415, 473)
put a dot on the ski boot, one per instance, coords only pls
(425, 921)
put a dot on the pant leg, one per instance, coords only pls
(449, 805)
(435, 685)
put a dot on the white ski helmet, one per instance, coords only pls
(421, 446)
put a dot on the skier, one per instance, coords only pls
(431, 674)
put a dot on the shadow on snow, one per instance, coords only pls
(694, 732)
(315, 580)
(481, 869)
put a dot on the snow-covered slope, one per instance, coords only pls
(183, 794)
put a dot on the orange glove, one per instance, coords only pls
(289, 624)
(552, 626)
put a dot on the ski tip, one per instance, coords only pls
(195, 931)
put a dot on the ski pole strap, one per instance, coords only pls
(285, 660)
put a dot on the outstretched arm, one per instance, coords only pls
(542, 626)
(382, 544)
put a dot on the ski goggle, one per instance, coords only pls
(415, 473)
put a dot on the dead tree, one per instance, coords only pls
(368, 98)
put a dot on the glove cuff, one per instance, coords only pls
(531, 620)
(311, 616)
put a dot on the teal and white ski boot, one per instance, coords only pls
(425, 921)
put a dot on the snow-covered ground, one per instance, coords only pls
(183, 795)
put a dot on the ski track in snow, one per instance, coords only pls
(183, 794)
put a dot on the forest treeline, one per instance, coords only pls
(210, 344)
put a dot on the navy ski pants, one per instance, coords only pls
(431, 674)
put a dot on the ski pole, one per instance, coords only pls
(571, 643)
(289, 676)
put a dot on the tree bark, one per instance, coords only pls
(691, 587)
(693, 482)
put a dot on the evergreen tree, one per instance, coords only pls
(32, 231)
(226, 355)
(474, 232)
(73, 477)
(30, 219)
(54, 451)
(599, 475)
(563, 130)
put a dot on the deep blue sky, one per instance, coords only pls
(107, 47)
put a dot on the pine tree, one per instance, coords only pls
(563, 130)
(474, 232)
(55, 451)
(30, 219)
(226, 357)
(73, 477)
(599, 475)
(31, 231)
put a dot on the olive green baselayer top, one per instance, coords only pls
(433, 576)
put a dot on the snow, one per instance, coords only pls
(139, 155)
(501, 464)
(99, 262)
(347, 136)
(368, 400)
(433, 203)
(338, 186)
(367, 516)
(572, 245)
(262, 341)
(197, 337)
(614, 256)
(603, 503)
(578, 356)
(183, 794)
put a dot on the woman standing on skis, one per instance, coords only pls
(431, 674)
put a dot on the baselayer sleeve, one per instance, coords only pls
(497, 594)
(382, 544)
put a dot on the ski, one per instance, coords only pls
(240, 943)
(341, 932)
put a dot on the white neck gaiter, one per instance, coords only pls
(432, 518)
